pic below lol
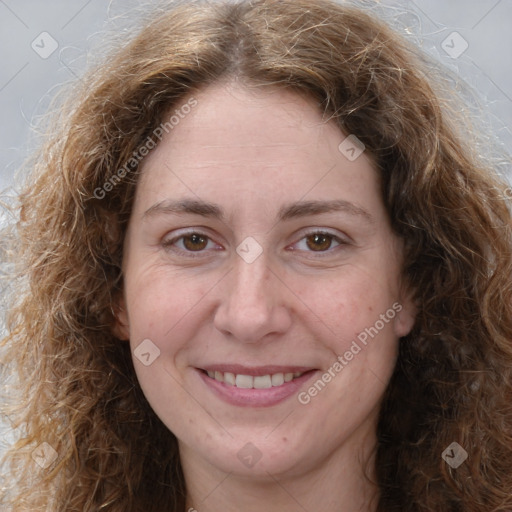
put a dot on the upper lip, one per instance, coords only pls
(255, 371)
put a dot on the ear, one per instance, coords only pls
(121, 327)
(406, 311)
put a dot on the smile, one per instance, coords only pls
(250, 382)
(254, 387)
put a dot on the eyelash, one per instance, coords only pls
(168, 244)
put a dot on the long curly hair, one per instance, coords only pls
(77, 399)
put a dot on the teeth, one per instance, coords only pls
(250, 382)
(243, 381)
(262, 382)
(229, 379)
(277, 379)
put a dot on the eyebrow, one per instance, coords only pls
(287, 212)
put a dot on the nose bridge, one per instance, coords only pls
(250, 285)
(251, 302)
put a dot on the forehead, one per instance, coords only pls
(231, 121)
(265, 143)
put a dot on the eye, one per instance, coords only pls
(196, 242)
(188, 243)
(320, 241)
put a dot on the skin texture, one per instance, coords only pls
(297, 303)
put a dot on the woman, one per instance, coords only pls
(264, 271)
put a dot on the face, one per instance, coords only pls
(263, 301)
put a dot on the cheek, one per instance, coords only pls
(354, 315)
(349, 302)
(162, 306)
(160, 300)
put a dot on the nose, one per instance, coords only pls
(253, 302)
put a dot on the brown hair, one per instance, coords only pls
(77, 387)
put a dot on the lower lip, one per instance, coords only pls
(255, 397)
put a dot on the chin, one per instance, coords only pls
(258, 456)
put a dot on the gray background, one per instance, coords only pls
(30, 72)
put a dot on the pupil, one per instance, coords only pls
(193, 239)
(318, 241)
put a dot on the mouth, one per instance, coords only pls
(255, 386)
(245, 381)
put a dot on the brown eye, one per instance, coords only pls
(319, 241)
(194, 242)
